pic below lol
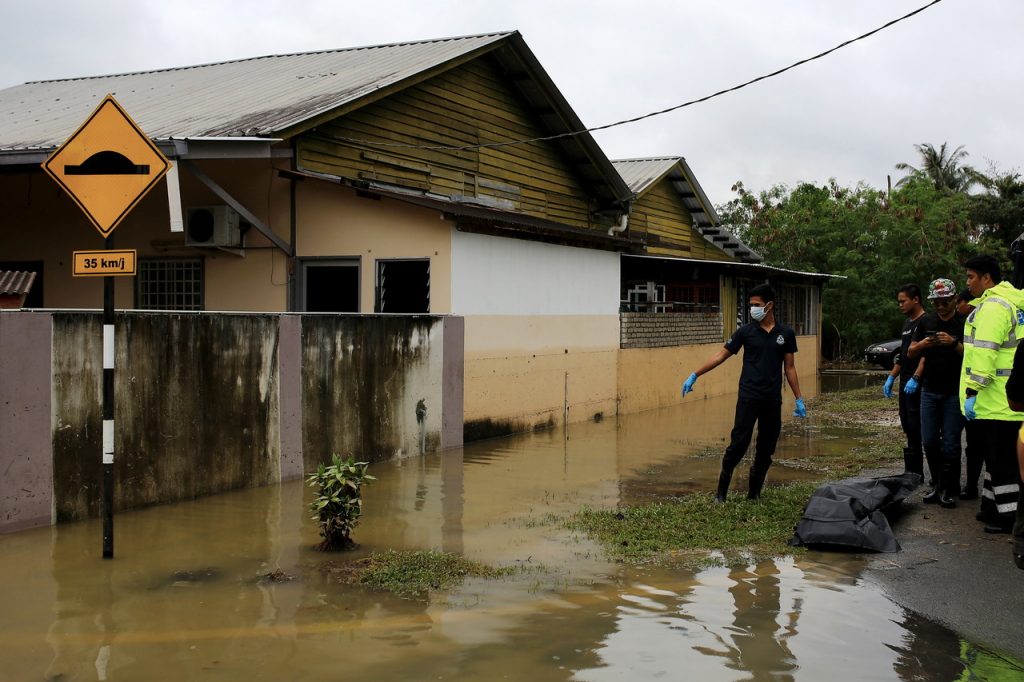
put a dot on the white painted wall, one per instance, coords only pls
(501, 276)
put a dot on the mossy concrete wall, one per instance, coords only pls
(211, 402)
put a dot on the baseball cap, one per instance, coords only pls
(941, 288)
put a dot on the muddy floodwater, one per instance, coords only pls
(184, 598)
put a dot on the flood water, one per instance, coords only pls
(183, 599)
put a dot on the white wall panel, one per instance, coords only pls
(500, 276)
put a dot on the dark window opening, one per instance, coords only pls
(169, 284)
(35, 294)
(331, 286)
(650, 286)
(403, 286)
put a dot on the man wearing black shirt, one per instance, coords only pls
(938, 339)
(768, 351)
(1015, 397)
(909, 300)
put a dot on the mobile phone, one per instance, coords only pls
(930, 333)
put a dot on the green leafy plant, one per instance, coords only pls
(338, 503)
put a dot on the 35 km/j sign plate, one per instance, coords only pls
(104, 263)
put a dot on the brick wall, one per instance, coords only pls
(656, 330)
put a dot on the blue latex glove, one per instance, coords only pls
(801, 409)
(688, 384)
(887, 389)
(911, 386)
(969, 407)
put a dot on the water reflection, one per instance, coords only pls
(184, 599)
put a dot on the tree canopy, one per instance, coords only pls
(877, 241)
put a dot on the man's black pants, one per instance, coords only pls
(1001, 487)
(767, 414)
(910, 420)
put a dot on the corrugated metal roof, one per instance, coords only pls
(642, 174)
(16, 283)
(249, 97)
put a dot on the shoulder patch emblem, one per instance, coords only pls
(779, 340)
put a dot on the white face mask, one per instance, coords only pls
(757, 312)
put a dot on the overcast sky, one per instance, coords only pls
(951, 73)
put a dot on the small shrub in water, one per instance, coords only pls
(338, 503)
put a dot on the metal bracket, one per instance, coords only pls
(260, 226)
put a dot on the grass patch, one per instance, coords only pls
(877, 443)
(413, 574)
(689, 529)
(861, 406)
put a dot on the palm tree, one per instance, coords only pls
(945, 170)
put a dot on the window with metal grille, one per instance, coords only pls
(169, 284)
(403, 286)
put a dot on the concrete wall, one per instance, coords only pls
(649, 378)
(372, 386)
(206, 403)
(26, 462)
(542, 332)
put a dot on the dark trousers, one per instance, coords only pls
(910, 420)
(767, 414)
(941, 426)
(998, 440)
(975, 457)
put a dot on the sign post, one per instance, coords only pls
(106, 167)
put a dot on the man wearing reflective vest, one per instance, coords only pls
(990, 341)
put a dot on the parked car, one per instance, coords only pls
(883, 354)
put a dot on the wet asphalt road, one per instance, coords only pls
(954, 573)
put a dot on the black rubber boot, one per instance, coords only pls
(723, 485)
(756, 483)
(950, 484)
(912, 462)
(934, 496)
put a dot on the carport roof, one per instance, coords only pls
(745, 269)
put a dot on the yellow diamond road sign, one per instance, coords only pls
(107, 166)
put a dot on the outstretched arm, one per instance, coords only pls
(714, 361)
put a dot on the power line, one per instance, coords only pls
(510, 143)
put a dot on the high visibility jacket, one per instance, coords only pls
(991, 334)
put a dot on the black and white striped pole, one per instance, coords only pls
(109, 353)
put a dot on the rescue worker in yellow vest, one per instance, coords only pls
(990, 341)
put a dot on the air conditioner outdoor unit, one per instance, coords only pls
(212, 226)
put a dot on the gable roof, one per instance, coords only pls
(278, 96)
(256, 97)
(643, 174)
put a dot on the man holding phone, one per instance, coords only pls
(938, 341)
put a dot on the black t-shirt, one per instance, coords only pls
(941, 372)
(763, 356)
(1015, 384)
(908, 365)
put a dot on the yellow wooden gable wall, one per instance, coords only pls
(468, 105)
(660, 217)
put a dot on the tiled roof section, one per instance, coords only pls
(255, 97)
(16, 283)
